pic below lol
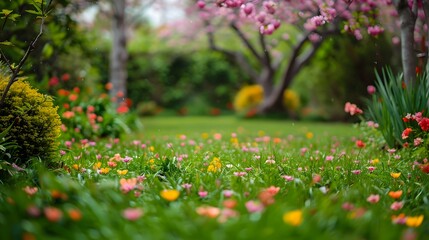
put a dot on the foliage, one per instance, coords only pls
(90, 115)
(341, 71)
(268, 183)
(394, 100)
(36, 124)
(175, 80)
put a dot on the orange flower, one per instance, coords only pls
(53, 214)
(230, 203)
(170, 195)
(75, 214)
(58, 195)
(208, 211)
(395, 194)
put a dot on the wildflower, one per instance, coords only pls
(288, 178)
(104, 170)
(97, 165)
(132, 214)
(395, 194)
(75, 214)
(30, 190)
(127, 184)
(228, 193)
(270, 161)
(230, 203)
(227, 213)
(347, 206)
(375, 161)
(395, 175)
(309, 135)
(357, 213)
(215, 165)
(399, 219)
(293, 218)
(170, 195)
(316, 178)
(352, 109)
(239, 174)
(395, 206)
(370, 89)
(126, 159)
(417, 141)
(356, 172)
(208, 211)
(202, 194)
(424, 124)
(414, 221)
(371, 169)
(406, 133)
(425, 168)
(33, 211)
(55, 194)
(187, 186)
(122, 172)
(329, 158)
(53, 214)
(373, 198)
(254, 206)
(360, 144)
(372, 124)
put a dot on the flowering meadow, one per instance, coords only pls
(222, 178)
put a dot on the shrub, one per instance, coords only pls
(36, 123)
(393, 101)
(248, 97)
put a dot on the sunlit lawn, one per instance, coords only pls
(222, 178)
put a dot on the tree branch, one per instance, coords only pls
(238, 56)
(246, 41)
(267, 57)
(15, 70)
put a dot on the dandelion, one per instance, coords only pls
(414, 221)
(132, 214)
(293, 218)
(395, 175)
(395, 194)
(170, 195)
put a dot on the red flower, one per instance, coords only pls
(406, 133)
(53, 81)
(360, 144)
(425, 168)
(424, 124)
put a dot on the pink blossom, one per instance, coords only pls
(201, 4)
(228, 193)
(417, 141)
(329, 158)
(203, 194)
(132, 214)
(373, 198)
(375, 30)
(239, 174)
(371, 168)
(288, 178)
(254, 206)
(396, 205)
(352, 109)
(370, 89)
(357, 172)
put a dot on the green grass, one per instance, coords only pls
(244, 178)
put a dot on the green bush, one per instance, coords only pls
(393, 101)
(36, 123)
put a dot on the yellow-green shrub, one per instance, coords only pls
(36, 121)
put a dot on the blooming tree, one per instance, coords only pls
(302, 26)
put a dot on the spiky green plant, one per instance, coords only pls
(394, 100)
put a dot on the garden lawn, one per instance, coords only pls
(222, 178)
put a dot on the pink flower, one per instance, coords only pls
(30, 190)
(132, 214)
(352, 109)
(228, 193)
(348, 206)
(239, 174)
(396, 205)
(201, 4)
(417, 141)
(357, 172)
(288, 178)
(329, 158)
(371, 168)
(248, 8)
(370, 89)
(373, 198)
(375, 30)
(203, 194)
(254, 206)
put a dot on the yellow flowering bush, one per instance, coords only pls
(291, 100)
(248, 97)
(36, 123)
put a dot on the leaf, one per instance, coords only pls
(6, 43)
(33, 12)
(6, 12)
(14, 16)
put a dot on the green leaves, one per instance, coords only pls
(7, 14)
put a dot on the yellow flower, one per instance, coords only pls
(105, 170)
(375, 161)
(122, 172)
(261, 133)
(309, 135)
(205, 135)
(214, 165)
(170, 195)
(248, 97)
(293, 218)
(414, 221)
(395, 175)
(75, 167)
(151, 148)
(97, 165)
(291, 100)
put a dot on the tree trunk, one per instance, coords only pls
(409, 59)
(119, 55)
